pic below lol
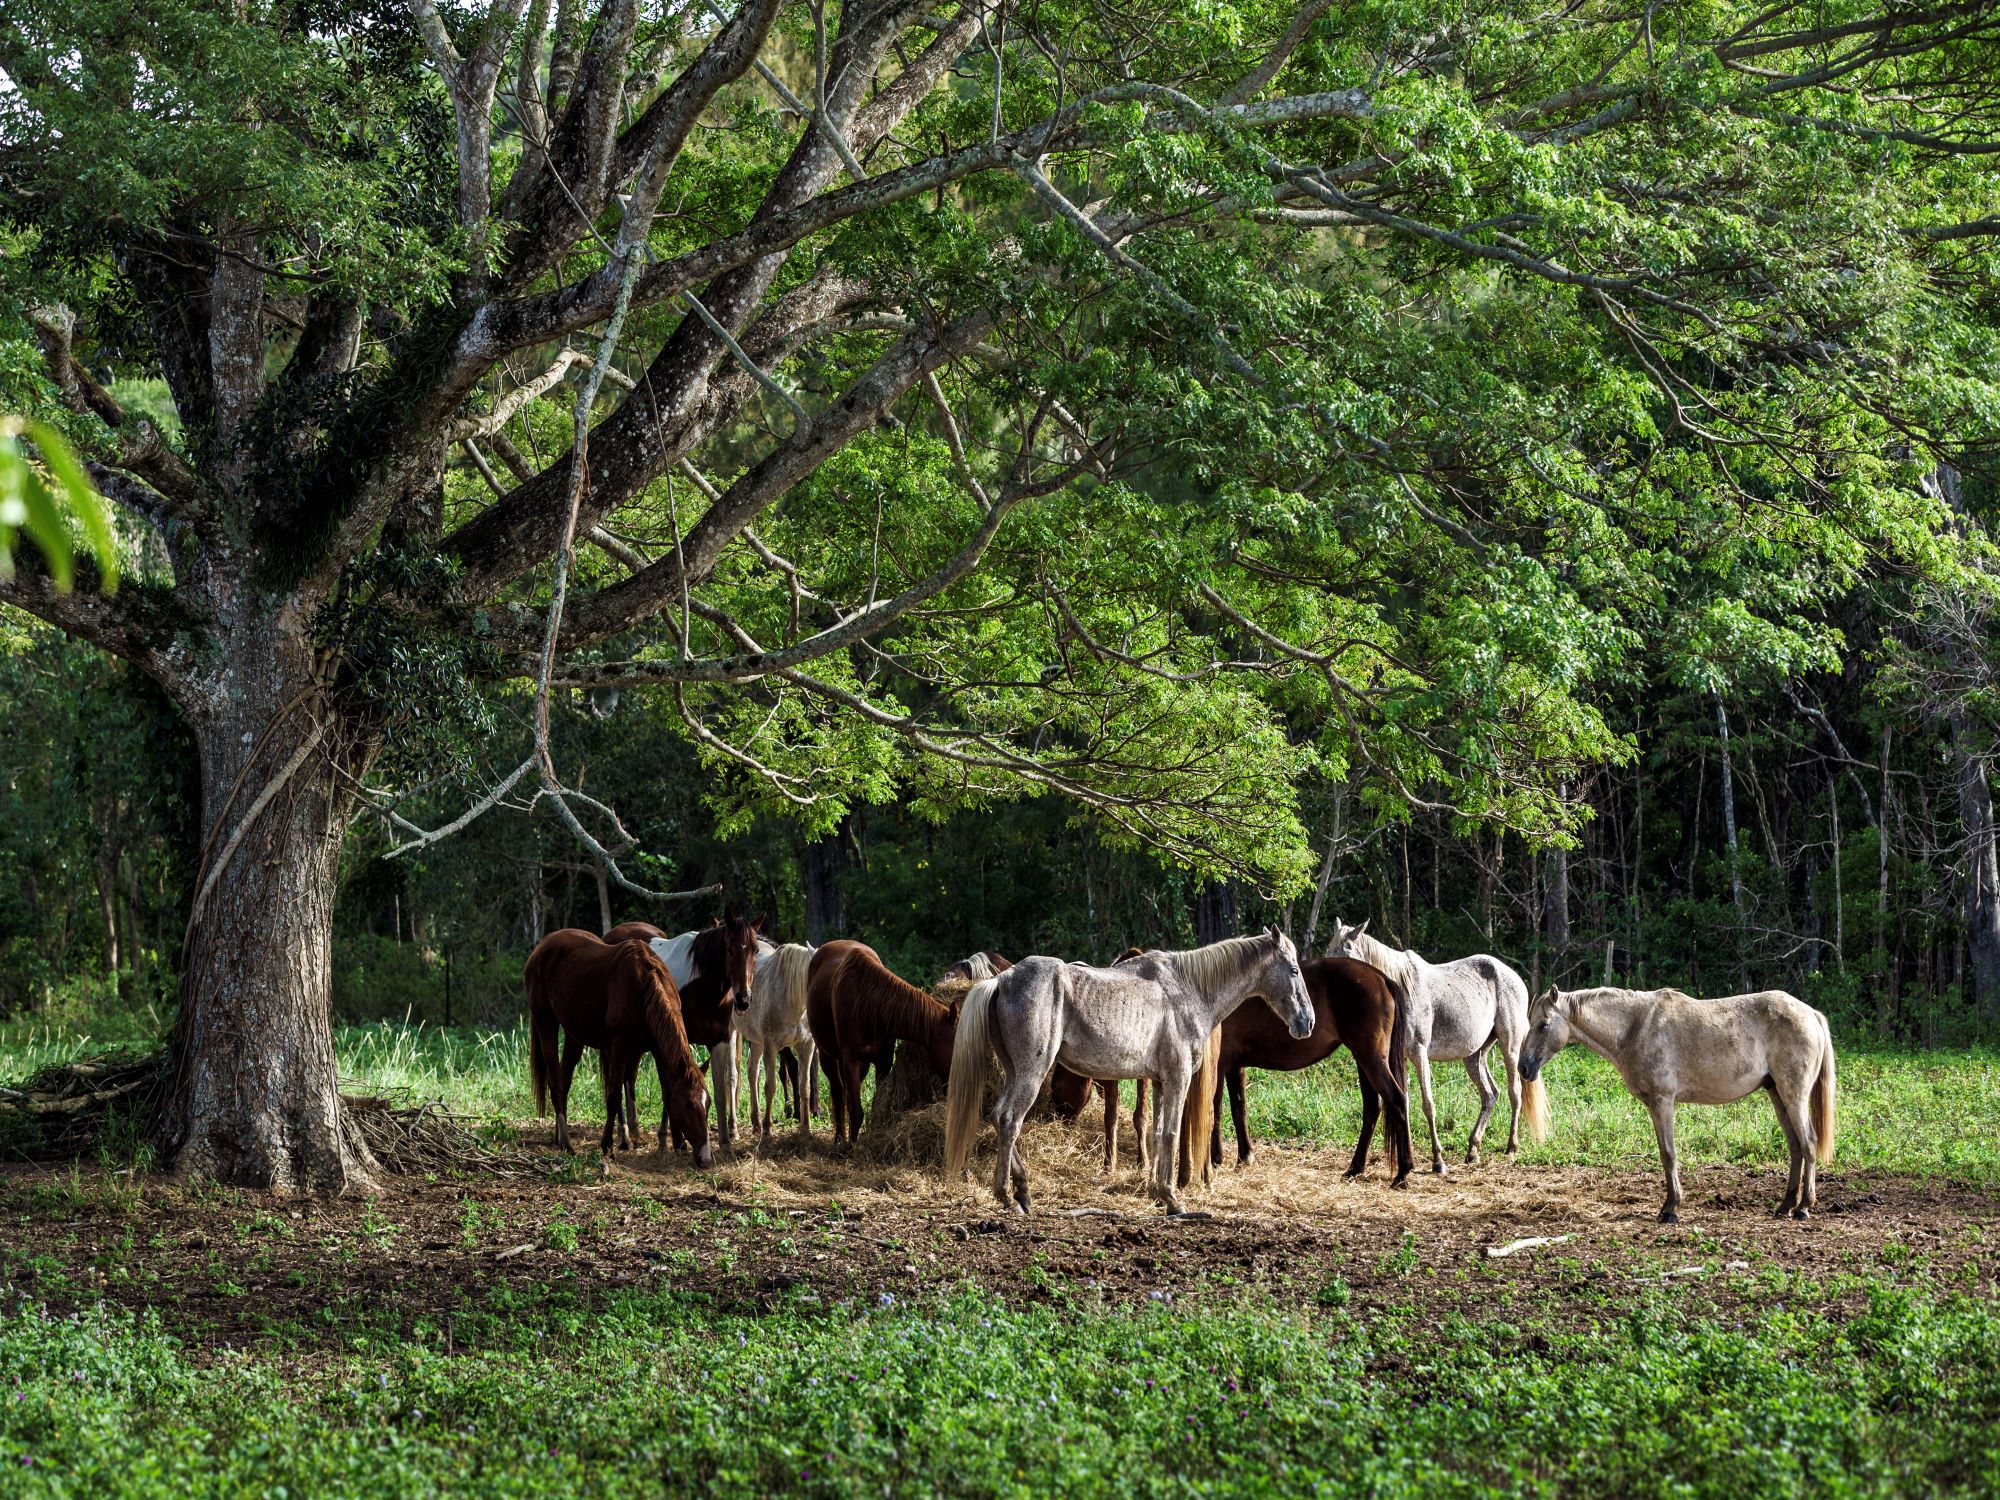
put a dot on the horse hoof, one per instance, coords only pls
(1472, 1157)
(1351, 1173)
(1801, 1213)
(1402, 1182)
(1437, 1169)
(1668, 1216)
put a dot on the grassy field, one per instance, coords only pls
(1930, 1113)
(1870, 1367)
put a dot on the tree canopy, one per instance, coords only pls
(1166, 406)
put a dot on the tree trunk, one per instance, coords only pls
(1981, 883)
(255, 1099)
(1729, 833)
(1214, 912)
(824, 863)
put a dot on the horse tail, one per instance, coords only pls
(1198, 1117)
(1399, 1031)
(1535, 1108)
(538, 1071)
(1825, 1097)
(965, 1090)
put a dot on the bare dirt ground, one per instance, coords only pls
(798, 1221)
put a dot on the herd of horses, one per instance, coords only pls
(1186, 1025)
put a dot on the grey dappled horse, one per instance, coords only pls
(1668, 1046)
(1149, 1017)
(1459, 1010)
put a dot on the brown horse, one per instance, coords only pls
(1355, 1006)
(722, 960)
(858, 1011)
(618, 998)
(1070, 1092)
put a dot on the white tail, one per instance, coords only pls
(1535, 1108)
(1825, 1098)
(967, 1089)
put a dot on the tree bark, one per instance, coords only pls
(255, 1098)
(1215, 912)
(824, 862)
(1981, 881)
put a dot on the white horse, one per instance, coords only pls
(1459, 1010)
(1667, 1046)
(776, 1020)
(1150, 1017)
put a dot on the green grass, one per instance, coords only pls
(968, 1396)
(1925, 1113)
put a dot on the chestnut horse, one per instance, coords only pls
(1355, 1006)
(618, 998)
(722, 966)
(858, 1011)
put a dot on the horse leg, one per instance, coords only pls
(1662, 1109)
(1141, 1121)
(1422, 1057)
(1371, 1107)
(857, 1078)
(1109, 1089)
(1169, 1104)
(806, 1069)
(1510, 1063)
(611, 1078)
(1796, 1121)
(1489, 1096)
(572, 1053)
(1017, 1097)
(1239, 1112)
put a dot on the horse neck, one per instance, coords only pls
(905, 1012)
(1231, 992)
(665, 1029)
(1401, 964)
(1597, 1017)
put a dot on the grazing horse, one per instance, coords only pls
(1355, 1006)
(1150, 1018)
(1459, 1010)
(975, 967)
(858, 1011)
(714, 968)
(618, 998)
(776, 1020)
(1668, 1046)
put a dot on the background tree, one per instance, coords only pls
(1158, 408)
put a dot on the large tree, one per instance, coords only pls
(955, 400)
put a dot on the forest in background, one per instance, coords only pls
(1838, 843)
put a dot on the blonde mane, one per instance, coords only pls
(1216, 964)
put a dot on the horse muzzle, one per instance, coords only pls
(704, 1156)
(742, 1002)
(1531, 1067)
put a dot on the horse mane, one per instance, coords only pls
(782, 973)
(1216, 964)
(706, 951)
(892, 1001)
(660, 1005)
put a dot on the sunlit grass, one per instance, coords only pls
(1922, 1112)
(1931, 1113)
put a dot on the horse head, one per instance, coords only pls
(687, 1108)
(739, 955)
(1285, 991)
(1548, 1032)
(1346, 941)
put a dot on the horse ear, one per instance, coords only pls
(761, 919)
(1363, 927)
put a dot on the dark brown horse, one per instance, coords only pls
(723, 964)
(1354, 1006)
(1070, 1092)
(620, 999)
(858, 1011)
